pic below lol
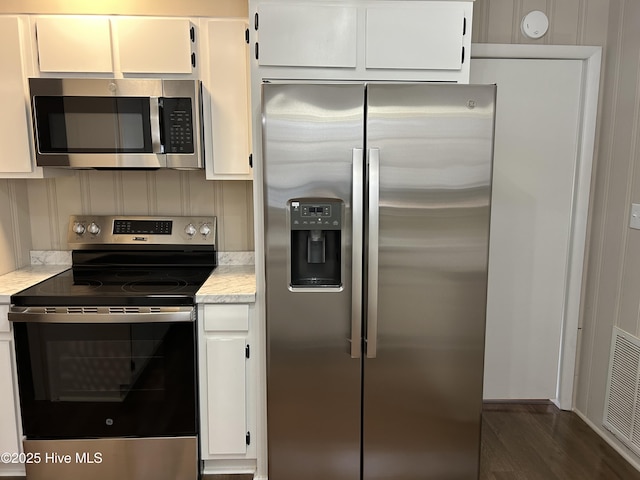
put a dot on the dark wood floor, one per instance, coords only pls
(538, 442)
(534, 442)
(541, 442)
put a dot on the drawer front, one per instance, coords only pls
(226, 318)
(4, 320)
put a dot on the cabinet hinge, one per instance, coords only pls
(257, 51)
(192, 34)
(247, 352)
(246, 36)
(248, 438)
(462, 54)
(251, 160)
(193, 60)
(255, 21)
(464, 26)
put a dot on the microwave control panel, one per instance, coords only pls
(177, 120)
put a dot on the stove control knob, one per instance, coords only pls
(190, 230)
(78, 228)
(205, 229)
(93, 228)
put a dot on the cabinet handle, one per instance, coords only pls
(246, 35)
(193, 60)
(255, 21)
(192, 34)
(257, 51)
(462, 54)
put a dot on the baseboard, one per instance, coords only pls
(626, 454)
(519, 401)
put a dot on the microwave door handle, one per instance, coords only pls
(155, 118)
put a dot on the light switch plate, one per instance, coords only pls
(635, 216)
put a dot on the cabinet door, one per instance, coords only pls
(14, 121)
(406, 35)
(307, 35)
(154, 45)
(9, 430)
(227, 82)
(226, 387)
(74, 44)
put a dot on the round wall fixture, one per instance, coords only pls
(534, 24)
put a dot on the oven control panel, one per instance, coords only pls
(86, 231)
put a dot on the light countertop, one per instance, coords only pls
(18, 280)
(229, 284)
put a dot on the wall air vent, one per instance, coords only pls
(622, 403)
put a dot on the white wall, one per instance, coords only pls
(613, 276)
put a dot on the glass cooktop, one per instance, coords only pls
(141, 286)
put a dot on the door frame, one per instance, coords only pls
(591, 56)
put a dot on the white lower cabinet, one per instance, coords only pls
(226, 374)
(9, 426)
(226, 396)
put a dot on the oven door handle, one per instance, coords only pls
(101, 314)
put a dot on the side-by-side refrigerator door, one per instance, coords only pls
(430, 152)
(313, 181)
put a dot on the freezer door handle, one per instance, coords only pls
(372, 265)
(357, 202)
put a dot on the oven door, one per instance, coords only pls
(88, 375)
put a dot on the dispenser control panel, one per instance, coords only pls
(323, 215)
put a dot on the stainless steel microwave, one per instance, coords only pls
(116, 123)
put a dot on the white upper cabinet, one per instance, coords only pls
(412, 40)
(74, 44)
(15, 155)
(307, 35)
(225, 80)
(154, 45)
(16, 65)
(410, 36)
(86, 44)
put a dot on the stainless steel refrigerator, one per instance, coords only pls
(377, 201)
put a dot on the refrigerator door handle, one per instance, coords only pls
(372, 267)
(357, 203)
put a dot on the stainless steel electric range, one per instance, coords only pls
(106, 354)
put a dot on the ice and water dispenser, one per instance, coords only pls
(316, 228)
